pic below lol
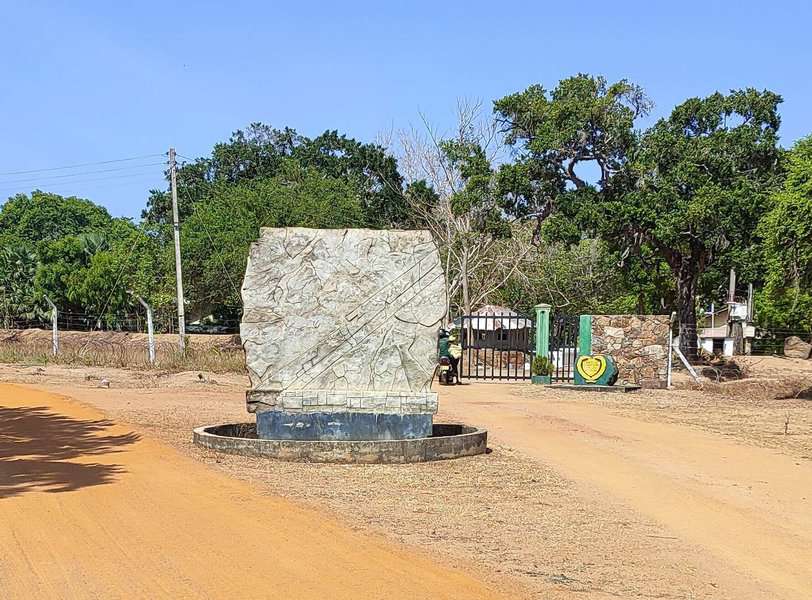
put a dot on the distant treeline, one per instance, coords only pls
(556, 196)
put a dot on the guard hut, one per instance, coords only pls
(497, 327)
(497, 343)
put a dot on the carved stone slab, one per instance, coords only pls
(342, 320)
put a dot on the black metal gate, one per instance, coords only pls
(496, 347)
(564, 347)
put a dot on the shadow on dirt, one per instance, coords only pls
(36, 448)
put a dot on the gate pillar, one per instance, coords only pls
(585, 335)
(542, 329)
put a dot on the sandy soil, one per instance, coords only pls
(745, 508)
(91, 509)
(680, 494)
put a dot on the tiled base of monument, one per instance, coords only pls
(342, 414)
(342, 400)
(284, 425)
(447, 441)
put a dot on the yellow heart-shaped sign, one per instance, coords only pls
(591, 367)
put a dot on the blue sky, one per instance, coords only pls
(83, 82)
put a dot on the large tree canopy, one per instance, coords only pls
(262, 152)
(42, 217)
(55, 245)
(696, 188)
(585, 124)
(216, 237)
(786, 301)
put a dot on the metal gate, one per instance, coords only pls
(564, 347)
(496, 347)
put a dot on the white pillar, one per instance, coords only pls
(150, 331)
(54, 329)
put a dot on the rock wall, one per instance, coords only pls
(342, 320)
(638, 343)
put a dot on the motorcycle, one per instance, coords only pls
(448, 374)
(444, 368)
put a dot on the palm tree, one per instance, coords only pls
(18, 301)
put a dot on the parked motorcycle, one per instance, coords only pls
(445, 371)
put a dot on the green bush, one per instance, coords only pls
(542, 366)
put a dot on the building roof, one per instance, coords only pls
(487, 318)
(491, 310)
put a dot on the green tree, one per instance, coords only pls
(56, 246)
(61, 262)
(18, 265)
(582, 127)
(90, 273)
(216, 237)
(786, 301)
(574, 279)
(263, 152)
(367, 167)
(44, 217)
(695, 189)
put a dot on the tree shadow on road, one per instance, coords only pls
(37, 445)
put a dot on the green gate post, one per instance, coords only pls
(585, 335)
(542, 329)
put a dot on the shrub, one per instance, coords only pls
(542, 366)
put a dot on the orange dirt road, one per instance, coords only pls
(88, 509)
(746, 509)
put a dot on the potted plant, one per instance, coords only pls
(542, 370)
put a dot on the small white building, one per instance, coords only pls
(718, 330)
(496, 327)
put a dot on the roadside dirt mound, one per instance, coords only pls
(216, 353)
(759, 388)
(101, 340)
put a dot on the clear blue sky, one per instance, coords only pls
(91, 81)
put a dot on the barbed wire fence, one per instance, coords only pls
(165, 321)
(106, 340)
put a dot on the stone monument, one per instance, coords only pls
(340, 330)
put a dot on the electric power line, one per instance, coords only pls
(77, 165)
(60, 185)
(78, 174)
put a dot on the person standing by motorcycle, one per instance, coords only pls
(454, 355)
(449, 352)
(444, 358)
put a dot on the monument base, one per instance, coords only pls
(621, 388)
(447, 441)
(345, 425)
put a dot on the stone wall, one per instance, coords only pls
(638, 343)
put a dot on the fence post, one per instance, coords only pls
(585, 335)
(543, 330)
(670, 348)
(150, 329)
(54, 329)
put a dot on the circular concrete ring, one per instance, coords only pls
(448, 441)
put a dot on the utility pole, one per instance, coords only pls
(178, 270)
(731, 292)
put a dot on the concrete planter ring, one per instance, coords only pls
(447, 441)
